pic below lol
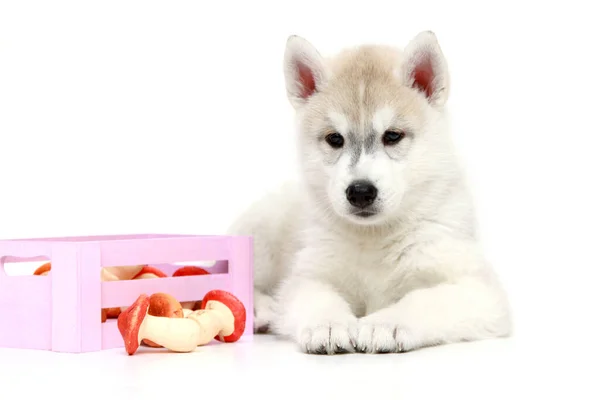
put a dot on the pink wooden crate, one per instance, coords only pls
(61, 311)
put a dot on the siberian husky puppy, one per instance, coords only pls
(375, 248)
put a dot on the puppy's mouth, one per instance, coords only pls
(365, 214)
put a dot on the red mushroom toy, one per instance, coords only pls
(148, 272)
(190, 270)
(221, 303)
(43, 270)
(163, 305)
(113, 312)
(120, 273)
(222, 317)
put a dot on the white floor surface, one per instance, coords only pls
(270, 368)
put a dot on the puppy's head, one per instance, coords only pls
(370, 124)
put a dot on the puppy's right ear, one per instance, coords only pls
(304, 70)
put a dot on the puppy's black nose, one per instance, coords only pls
(361, 194)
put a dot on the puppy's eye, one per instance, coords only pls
(335, 140)
(391, 137)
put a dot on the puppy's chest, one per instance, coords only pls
(374, 277)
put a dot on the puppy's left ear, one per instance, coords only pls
(425, 68)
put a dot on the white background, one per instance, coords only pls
(145, 116)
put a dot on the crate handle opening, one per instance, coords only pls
(23, 266)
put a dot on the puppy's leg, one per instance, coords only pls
(258, 222)
(264, 311)
(469, 309)
(316, 317)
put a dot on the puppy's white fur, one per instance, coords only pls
(410, 275)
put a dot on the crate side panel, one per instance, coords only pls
(25, 301)
(161, 251)
(25, 312)
(119, 293)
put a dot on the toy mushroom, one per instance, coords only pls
(121, 273)
(148, 272)
(222, 317)
(190, 271)
(163, 305)
(43, 270)
(113, 312)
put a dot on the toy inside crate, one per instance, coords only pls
(62, 310)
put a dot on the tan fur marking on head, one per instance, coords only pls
(361, 101)
(360, 82)
(365, 79)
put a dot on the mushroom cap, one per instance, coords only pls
(43, 268)
(190, 270)
(130, 320)
(236, 307)
(113, 312)
(163, 305)
(147, 269)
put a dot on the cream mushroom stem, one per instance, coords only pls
(107, 276)
(185, 334)
(122, 273)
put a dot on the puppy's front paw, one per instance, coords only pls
(377, 337)
(329, 338)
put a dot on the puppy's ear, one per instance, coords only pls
(425, 68)
(304, 70)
